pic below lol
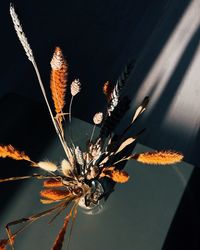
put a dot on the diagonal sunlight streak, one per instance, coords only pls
(170, 56)
(187, 97)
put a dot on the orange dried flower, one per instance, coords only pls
(5, 242)
(54, 194)
(159, 157)
(60, 238)
(116, 175)
(11, 152)
(52, 183)
(58, 81)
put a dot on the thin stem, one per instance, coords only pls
(49, 108)
(70, 109)
(94, 127)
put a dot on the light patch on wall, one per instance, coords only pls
(170, 55)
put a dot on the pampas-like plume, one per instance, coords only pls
(11, 152)
(58, 81)
(54, 194)
(116, 175)
(158, 157)
(47, 165)
(20, 34)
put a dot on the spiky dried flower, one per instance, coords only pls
(75, 87)
(159, 157)
(20, 33)
(58, 81)
(98, 117)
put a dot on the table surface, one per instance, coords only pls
(137, 215)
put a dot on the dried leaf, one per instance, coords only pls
(58, 81)
(60, 238)
(125, 144)
(104, 160)
(140, 109)
(11, 152)
(54, 194)
(116, 175)
(46, 202)
(158, 157)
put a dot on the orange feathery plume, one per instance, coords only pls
(159, 157)
(116, 175)
(11, 152)
(54, 194)
(58, 81)
(107, 90)
(53, 183)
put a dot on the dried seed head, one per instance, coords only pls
(57, 59)
(20, 34)
(48, 166)
(98, 117)
(75, 87)
(58, 82)
(66, 167)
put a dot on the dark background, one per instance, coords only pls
(98, 39)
